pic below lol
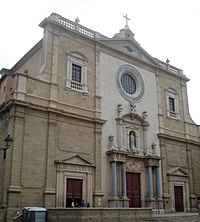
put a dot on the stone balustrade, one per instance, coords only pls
(170, 68)
(72, 25)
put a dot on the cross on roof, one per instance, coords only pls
(77, 20)
(127, 19)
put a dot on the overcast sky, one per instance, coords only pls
(164, 28)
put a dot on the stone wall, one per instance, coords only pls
(97, 215)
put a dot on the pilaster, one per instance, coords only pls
(97, 195)
(50, 187)
(20, 92)
(53, 86)
(13, 161)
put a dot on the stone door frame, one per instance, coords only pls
(179, 177)
(74, 168)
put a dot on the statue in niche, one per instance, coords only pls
(111, 143)
(132, 140)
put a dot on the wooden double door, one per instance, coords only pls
(178, 196)
(73, 192)
(133, 189)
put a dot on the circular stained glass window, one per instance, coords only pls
(128, 84)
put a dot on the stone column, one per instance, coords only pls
(114, 179)
(158, 188)
(125, 200)
(123, 174)
(150, 182)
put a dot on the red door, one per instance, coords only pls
(133, 189)
(73, 192)
(178, 195)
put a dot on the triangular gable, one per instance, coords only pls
(75, 160)
(130, 47)
(178, 172)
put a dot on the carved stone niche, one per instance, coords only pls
(132, 124)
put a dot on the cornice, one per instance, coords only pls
(174, 138)
(51, 110)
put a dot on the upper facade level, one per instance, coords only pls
(64, 68)
(125, 34)
(131, 47)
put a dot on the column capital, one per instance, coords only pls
(152, 161)
(116, 155)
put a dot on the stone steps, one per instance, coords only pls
(179, 217)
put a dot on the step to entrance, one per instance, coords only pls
(176, 217)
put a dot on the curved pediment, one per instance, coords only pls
(136, 118)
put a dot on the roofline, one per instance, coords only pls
(27, 56)
(96, 37)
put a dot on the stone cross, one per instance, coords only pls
(127, 19)
(77, 20)
(167, 61)
(133, 107)
(77, 23)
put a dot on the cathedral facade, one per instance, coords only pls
(96, 120)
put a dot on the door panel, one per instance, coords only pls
(133, 189)
(178, 195)
(73, 192)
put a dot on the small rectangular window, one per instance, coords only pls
(76, 73)
(171, 104)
